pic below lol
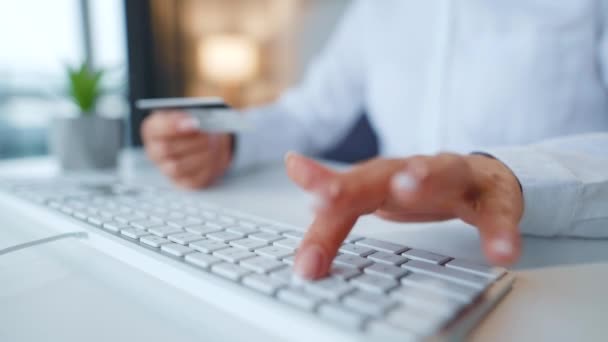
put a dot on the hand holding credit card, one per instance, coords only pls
(212, 113)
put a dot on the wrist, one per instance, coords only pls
(227, 152)
(492, 176)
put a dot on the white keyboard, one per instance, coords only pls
(376, 289)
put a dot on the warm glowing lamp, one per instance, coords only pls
(229, 59)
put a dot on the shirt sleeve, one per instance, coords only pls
(565, 180)
(315, 115)
(564, 183)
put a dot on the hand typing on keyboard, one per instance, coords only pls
(476, 189)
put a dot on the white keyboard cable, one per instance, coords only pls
(76, 235)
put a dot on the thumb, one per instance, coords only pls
(500, 239)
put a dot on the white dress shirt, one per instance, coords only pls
(462, 76)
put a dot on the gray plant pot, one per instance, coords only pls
(86, 143)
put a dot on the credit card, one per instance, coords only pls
(220, 120)
(212, 113)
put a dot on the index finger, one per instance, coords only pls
(168, 124)
(321, 243)
(353, 193)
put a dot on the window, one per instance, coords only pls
(39, 39)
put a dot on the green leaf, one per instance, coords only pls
(85, 87)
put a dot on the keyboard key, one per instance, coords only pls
(82, 215)
(185, 222)
(299, 298)
(454, 290)
(208, 246)
(184, 238)
(248, 244)
(284, 274)
(343, 272)
(176, 249)
(154, 241)
(293, 234)
(262, 264)
(361, 251)
(115, 227)
(97, 220)
(342, 316)
(369, 303)
(382, 246)
(374, 284)
(202, 229)
(145, 224)
(387, 258)
(226, 219)
(443, 272)
(329, 288)
(224, 236)
(387, 271)
(274, 252)
(201, 260)
(264, 283)
(217, 224)
(66, 210)
(209, 214)
(233, 255)
(266, 237)
(127, 218)
(174, 215)
(247, 224)
(291, 244)
(290, 260)
(273, 229)
(482, 270)
(243, 231)
(230, 271)
(422, 255)
(352, 261)
(163, 231)
(352, 238)
(134, 233)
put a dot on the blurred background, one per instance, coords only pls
(246, 51)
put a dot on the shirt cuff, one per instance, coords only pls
(549, 191)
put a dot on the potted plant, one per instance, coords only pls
(85, 141)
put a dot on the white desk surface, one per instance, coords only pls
(559, 294)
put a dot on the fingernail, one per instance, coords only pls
(187, 124)
(309, 262)
(318, 202)
(502, 247)
(418, 169)
(297, 169)
(333, 189)
(404, 182)
(289, 159)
